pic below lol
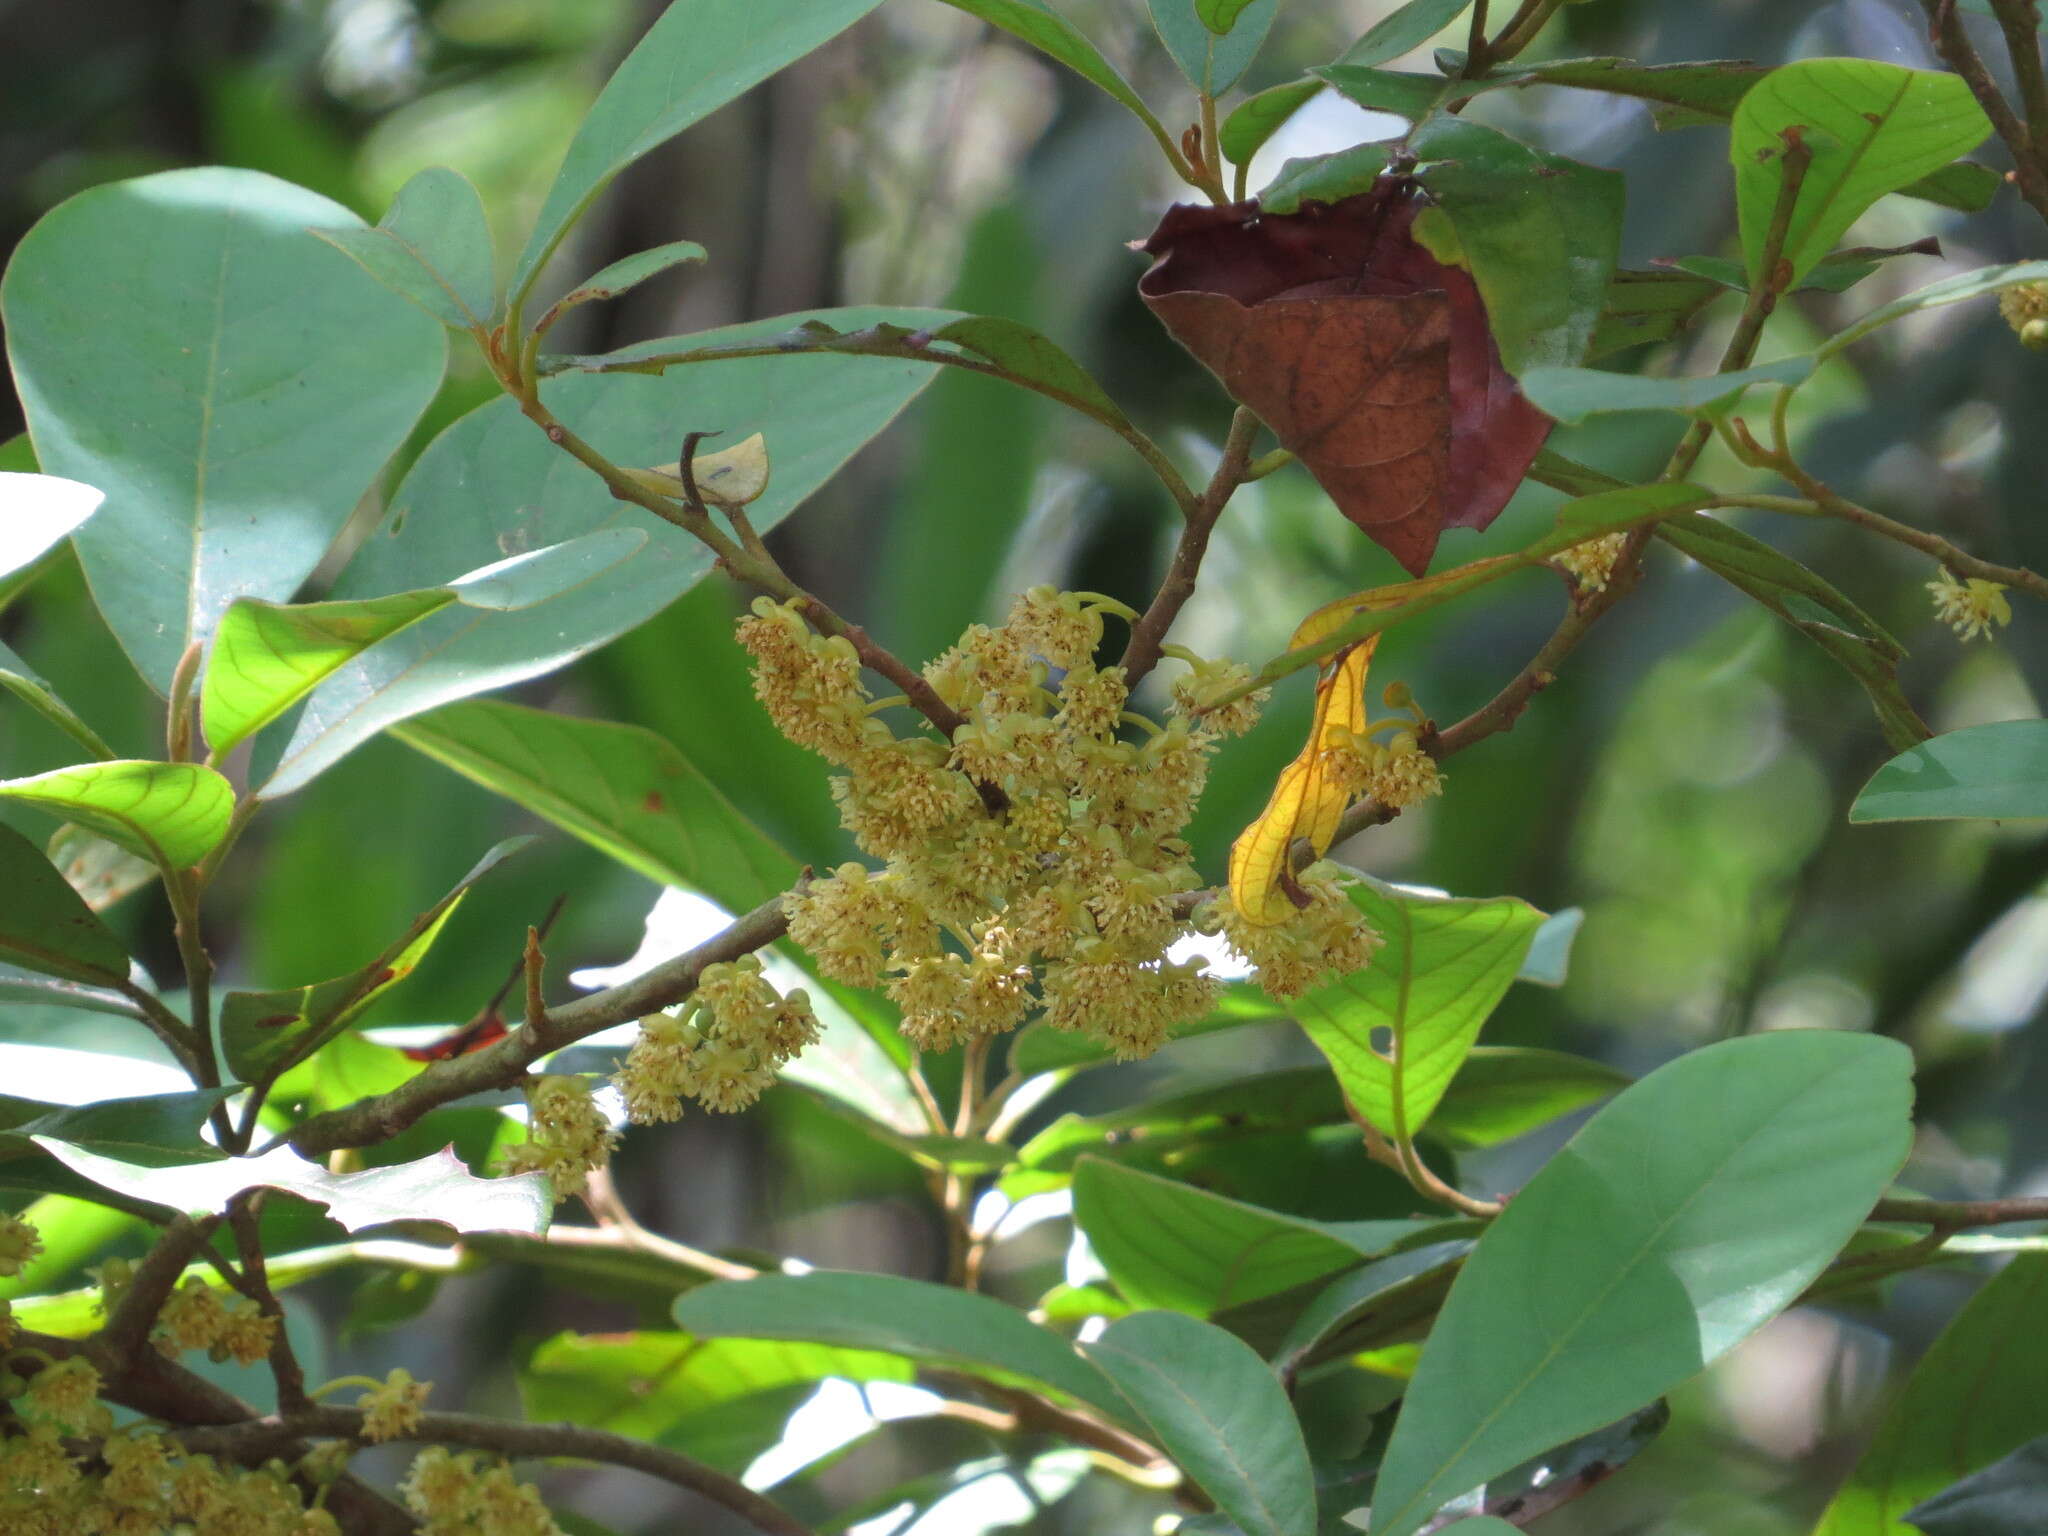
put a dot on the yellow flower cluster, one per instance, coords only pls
(461, 1494)
(1591, 564)
(138, 1484)
(19, 1243)
(2025, 308)
(567, 1135)
(1063, 902)
(722, 1049)
(393, 1409)
(1971, 608)
(196, 1316)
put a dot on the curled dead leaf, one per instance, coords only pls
(1368, 357)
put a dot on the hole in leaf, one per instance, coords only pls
(1381, 1040)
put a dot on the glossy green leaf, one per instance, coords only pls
(1386, 90)
(1681, 94)
(493, 484)
(621, 788)
(2005, 1499)
(695, 58)
(1871, 128)
(1974, 1396)
(662, 1387)
(1397, 1031)
(268, 656)
(1403, 31)
(1964, 186)
(1680, 1219)
(631, 271)
(1811, 605)
(19, 679)
(433, 246)
(263, 1033)
(1982, 772)
(45, 927)
(1836, 272)
(169, 813)
(1240, 1106)
(1257, 118)
(1950, 290)
(1212, 56)
(100, 871)
(153, 1130)
(936, 1324)
(260, 379)
(1169, 1244)
(1041, 1048)
(1218, 1410)
(1505, 1091)
(1539, 232)
(36, 513)
(437, 1189)
(1573, 394)
(1053, 35)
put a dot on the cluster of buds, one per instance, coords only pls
(392, 1407)
(2025, 308)
(463, 1494)
(567, 1135)
(1063, 901)
(55, 1482)
(197, 1316)
(722, 1047)
(1591, 564)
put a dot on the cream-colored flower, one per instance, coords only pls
(1971, 608)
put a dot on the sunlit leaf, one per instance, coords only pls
(170, 813)
(433, 247)
(1982, 772)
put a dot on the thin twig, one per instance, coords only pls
(127, 1327)
(285, 1370)
(534, 964)
(1142, 651)
(2020, 21)
(601, 1194)
(501, 1065)
(1945, 31)
(1824, 502)
(1963, 1213)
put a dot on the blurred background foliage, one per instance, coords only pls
(1684, 781)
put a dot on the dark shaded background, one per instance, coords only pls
(1685, 782)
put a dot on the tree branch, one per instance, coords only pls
(370, 1121)
(1945, 31)
(257, 1438)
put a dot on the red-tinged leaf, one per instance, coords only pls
(1370, 359)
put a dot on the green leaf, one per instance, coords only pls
(1257, 118)
(1388, 1294)
(1964, 186)
(436, 1189)
(1550, 952)
(1648, 306)
(152, 1129)
(1212, 56)
(1445, 963)
(1023, 356)
(629, 272)
(1219, 1411)
(1405, 30)
(621, 788)
(1682, 93)
(1169, 1244)
(698, 56)
(259, 377)
(493, 483)
(1995, 772)
(1539, 232)
(169, 813)
(100, 871)
(19, 679)
(1679, 1220)
(37, 511)
(46, 927)
(1505, 1091)
(263, 1033)
(1053, 35)
(433, 246)
(933, 1323)
(2005, 1499)
(1041, 1048)
(1573, 394)
(1974, 1396)
(1872, 128)
(1411, 96)
(1324, 178)
(1810, 605)
(1239, 1106)
(670, 1388)
(1950, 290)
(268, 656)
(1836, 272)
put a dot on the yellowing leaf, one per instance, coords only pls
(730, 478)
(1309, 798)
